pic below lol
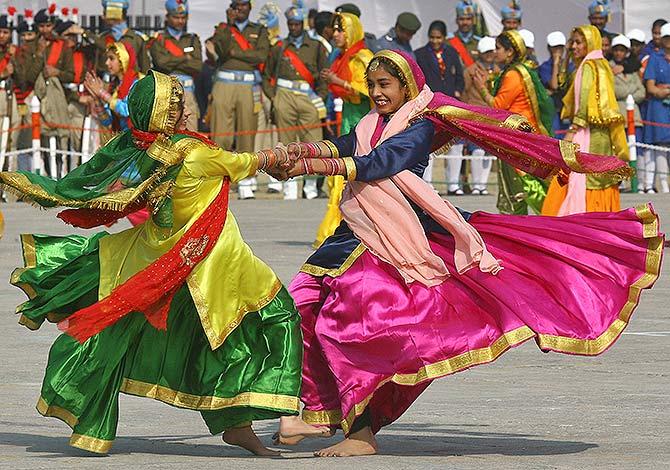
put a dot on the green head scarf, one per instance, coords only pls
(128, 168)
(540, 101)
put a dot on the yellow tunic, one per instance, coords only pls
(230, 281)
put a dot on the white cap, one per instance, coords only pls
(486, 44)
(665, 30)
(556, 38)
(621, 40)
(528, 38)
(637, 35)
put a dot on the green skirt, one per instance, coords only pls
(254, 375)
(516, 193)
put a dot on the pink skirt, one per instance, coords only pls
(570, 283)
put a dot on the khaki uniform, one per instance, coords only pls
(236, 99)
(27, 67)
(8, 106)
(81, 63)
(293, 105)
(136, 39)
(183, 65)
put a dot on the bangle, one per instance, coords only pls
(105, 96)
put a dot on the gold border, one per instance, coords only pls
(531, 93)
(517, 122)
(168, 94)
(402, 64)
(334, 152)
(654, 257)
(216, 339)
(28, 323)
(322, 417)
(119, 50)
(208, 403)
(334, 272)
(569, 154)
(29, 255)
(51, 411)
(91, 444)
(350, 166)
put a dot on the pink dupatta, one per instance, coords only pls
(381, 217)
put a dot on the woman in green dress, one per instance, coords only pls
(177, 309)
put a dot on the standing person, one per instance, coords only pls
(224, 341)
(400, 36)
(511, 15)
(346, 80)
(599, 16)
(484, 65)
(27, 67)
(657, 82)
(518, 90)
(529, 41)
(654, 46)
(8, 106)
(58, 69)
(82, 62)
(443, 70)
(464, 40)
(554, 73)
(115, 17)
(297, 91)
(628, 82)
(409, 289)
(177, 52)
(596, 125)
(239, 48)
(370, 38)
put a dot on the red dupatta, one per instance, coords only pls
(130, 74)
(341, 68)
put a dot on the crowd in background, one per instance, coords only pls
(246, 80)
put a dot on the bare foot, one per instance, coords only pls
(292, 429)
(247, 439)
(359, 443)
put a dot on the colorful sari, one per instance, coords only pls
(349, 65)
(409, 289)
(591, 105)
(518, 89)
(177, 309)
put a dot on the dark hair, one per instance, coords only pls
(438, 25)
(507, 44)
(312, 13)
(387, 65)
(322, 20)
(658, 23)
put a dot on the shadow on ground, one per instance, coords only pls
(406, 440)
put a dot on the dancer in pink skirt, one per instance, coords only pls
(410, 289)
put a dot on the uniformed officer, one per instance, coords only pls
(399, 37)
(240, 49)
(511, 16)
(8, 107)
(176, 52)
(292, 80)
(27, 67)
(115, 16)
(599, 16)
(58, 69)
(464, 39)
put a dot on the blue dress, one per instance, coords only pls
(658, 69)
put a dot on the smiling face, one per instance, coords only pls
(386, 90)
(436, 39)
(578, 46)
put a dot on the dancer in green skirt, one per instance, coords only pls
(177, 309)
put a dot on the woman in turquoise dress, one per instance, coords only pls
(177, 309)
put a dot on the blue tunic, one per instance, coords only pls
(407, 150)
(658, 69)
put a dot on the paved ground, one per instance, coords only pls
(526, 411)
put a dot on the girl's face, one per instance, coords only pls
(502, 55)
(387, 92)
(578, 46)
(340, 38)
(113, 64)
(183, 119)
(436, 39)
